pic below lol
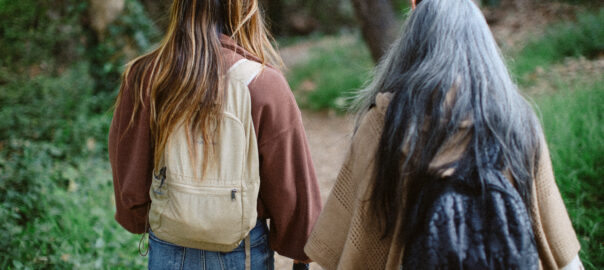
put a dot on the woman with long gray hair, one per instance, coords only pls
(440, 104)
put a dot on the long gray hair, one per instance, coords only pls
(446, 70)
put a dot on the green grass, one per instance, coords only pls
(583, 37)
(573, 121)
(332, 74)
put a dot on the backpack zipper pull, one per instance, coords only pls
(233, 193)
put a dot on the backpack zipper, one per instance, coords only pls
(233, 194)
(161, 177)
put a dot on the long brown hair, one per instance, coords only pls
(182, 76)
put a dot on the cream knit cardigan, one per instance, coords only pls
(347, 236)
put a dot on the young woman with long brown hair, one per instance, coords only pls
(186, 83)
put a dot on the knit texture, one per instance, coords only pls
(348, 236)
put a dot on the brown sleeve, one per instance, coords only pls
(289, 192)
(131, 158)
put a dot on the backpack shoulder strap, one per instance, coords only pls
(244, 71)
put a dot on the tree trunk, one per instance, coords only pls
(378, 24)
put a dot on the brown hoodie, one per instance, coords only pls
(289, 193)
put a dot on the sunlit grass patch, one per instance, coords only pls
(583, 37)
(333, 72)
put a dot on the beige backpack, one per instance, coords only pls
(214, 210)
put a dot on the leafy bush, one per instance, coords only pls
(40, 32)
(585, 37)
(57, 86)
(57, 203)
(132, 33)
(45, 37)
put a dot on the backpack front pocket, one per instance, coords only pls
(206, 214)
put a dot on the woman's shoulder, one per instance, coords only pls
(270, 88)
(373, 120)
(382, 100)
(369, 130)
(268, 85)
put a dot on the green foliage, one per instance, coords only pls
(27, 102)
(401, 6)
(583, 2)
(131, 32)
(32, 31)
(332, 74)
(585, 37)
(331, 15)
(48, 36)
(58, 81)
(57, 207)
(323, 16)
(573, 122)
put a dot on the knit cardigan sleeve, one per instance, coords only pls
(346, 235)
(556, 239)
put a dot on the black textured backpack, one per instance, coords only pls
(463, 225)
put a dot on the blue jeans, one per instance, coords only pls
(164, 255)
